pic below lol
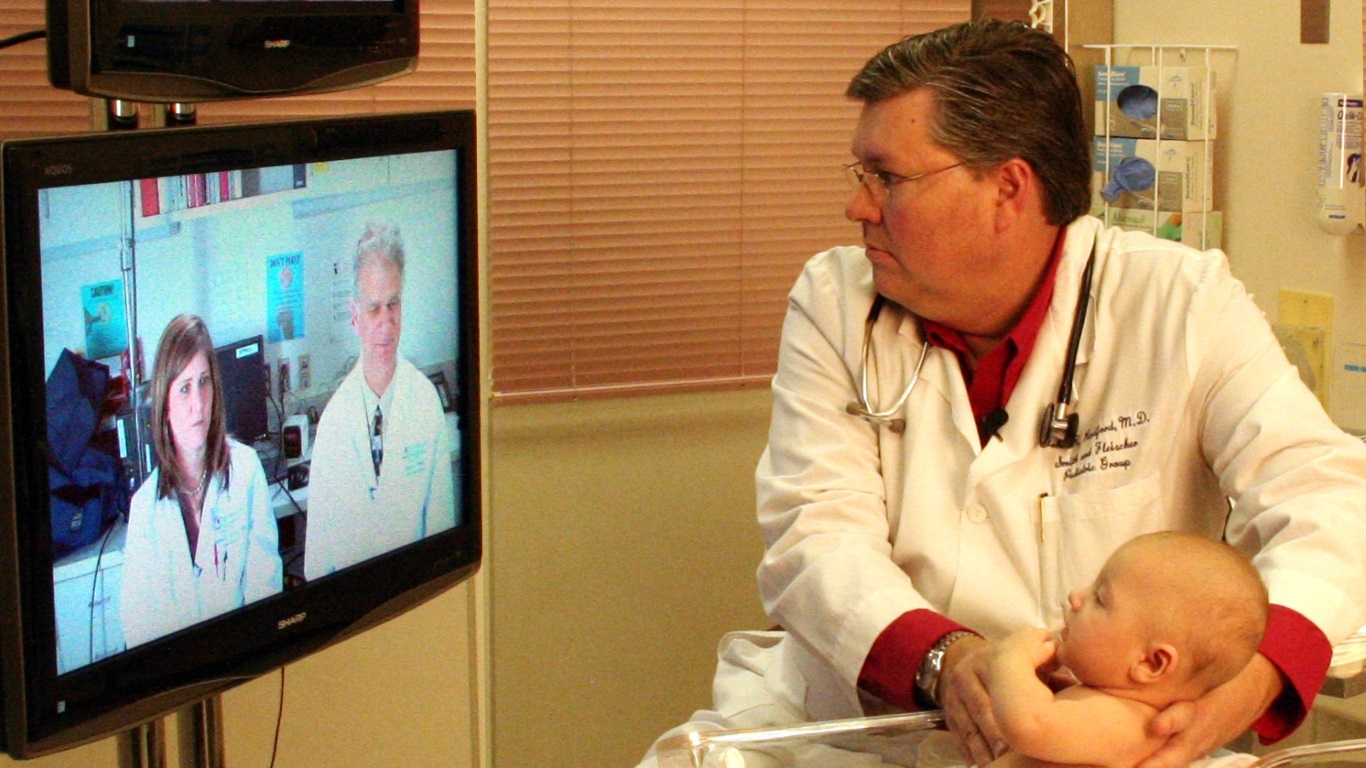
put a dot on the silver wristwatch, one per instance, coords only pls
(931, 667)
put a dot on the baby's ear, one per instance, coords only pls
(1157, 663)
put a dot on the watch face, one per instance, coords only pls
(927, 675)
(927, 679)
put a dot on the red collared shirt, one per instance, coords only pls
(1297, 647)
(996, 373)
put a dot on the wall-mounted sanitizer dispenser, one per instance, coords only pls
(1341, 205)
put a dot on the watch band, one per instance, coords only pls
(932, 667)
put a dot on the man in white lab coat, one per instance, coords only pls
(381, 468)
(902, 540)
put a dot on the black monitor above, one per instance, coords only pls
(187, 50)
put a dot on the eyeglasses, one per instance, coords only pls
(879, 183)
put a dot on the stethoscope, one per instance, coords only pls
(1058, 429)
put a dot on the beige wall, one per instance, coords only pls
(624, 546)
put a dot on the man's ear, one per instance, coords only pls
(1017, 186)
(1158, 662)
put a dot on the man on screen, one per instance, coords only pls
(381, 473)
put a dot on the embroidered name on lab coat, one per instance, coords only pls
(1107, 447)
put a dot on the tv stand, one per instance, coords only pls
(124, 115)
(146, 744)
(207, 718)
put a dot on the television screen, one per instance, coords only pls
(193, 50)
(176, 301)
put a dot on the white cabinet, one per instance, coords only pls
(85, 591)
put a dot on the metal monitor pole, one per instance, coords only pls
(207, 736)
(146, 745)
(147, 742)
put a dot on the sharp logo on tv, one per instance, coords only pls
(297, 618)
(277, 43)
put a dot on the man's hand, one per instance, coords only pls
(1195, 728)
(967, 708)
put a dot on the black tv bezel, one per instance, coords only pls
(140, 684)
(243, 48)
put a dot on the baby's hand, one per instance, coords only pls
(1033, 644)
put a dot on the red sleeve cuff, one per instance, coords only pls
(1302, 653)
(889, 670)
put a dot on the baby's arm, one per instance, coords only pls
(1077, 726)
(1022, 703)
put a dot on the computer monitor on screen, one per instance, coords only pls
(242, 366)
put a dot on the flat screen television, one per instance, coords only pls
(114, 241)
(197, 50)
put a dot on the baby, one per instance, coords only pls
(1171, 616)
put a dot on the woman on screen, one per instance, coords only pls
(202, 539)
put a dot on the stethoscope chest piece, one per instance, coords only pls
(1058, 428)
(895, 424)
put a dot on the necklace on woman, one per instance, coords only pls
(199, 486)
(191, 505)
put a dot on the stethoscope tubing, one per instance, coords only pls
(1069, 369)
(862, 406)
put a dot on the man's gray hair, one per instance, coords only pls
(1001, 90)
(381, 240)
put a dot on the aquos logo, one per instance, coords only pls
(60, 169)
(284, 624)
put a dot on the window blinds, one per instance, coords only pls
(660, 171)
(28, 105)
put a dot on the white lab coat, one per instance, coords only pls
(350, 517)
(236, 562)
(1185, 400)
